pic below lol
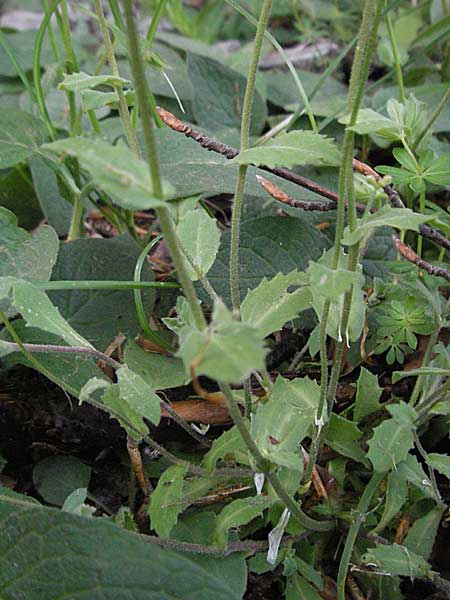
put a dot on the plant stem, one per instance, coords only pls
(245, 140)
(103, 285)
(360, 69)
(398, 66)
(424, 455)
(361, 511)
(264, 466)
(156, 17)
(165, 220)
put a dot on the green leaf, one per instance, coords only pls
(270, 305)
(21, 134)
(400, 218)
(219, 94)
(412, 471)
(99, 559)
(280, 424)
(54, 206)
(38, 311)
(116, 169)
(404, 414)
(239, 512)
(343, 436)
(140, 396)
(405, 159)
(227, 446)
(370, 121)
(100, 315)
(422, 534)
(368, 394)
(440, 462)
(298, 587)
(76, 82)
(129, 418)
(158, 370)
(200, 236)
(420, 371)
(58, 476)
(396, 560)
(167, 500)
(389, 445)
(396, 496)
(330, 283)
(228, 350)
(290, 149)
(93, 99)
(267, 246)
(439, 172)
(24, 256)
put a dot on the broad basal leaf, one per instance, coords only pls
(55, 477)
(93, 558)
(422, 534)
(200, 236)
(239, 512)
(25, 256)
(274, 302)
(116, 169)
(400, 218)
(21, 134)
(280, 424)
(290, 149)
(167, 500)
(228, 350)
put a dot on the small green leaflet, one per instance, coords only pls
(116, 169)
(368, 395)
(343, 436)
(400, 218)
(140, 396)
(396, 560)
(157, 370)
(228, 445)
(167, 500)
(239, 512)
(440, 462)
(76, 82)
(270, 305)
(389, 445)
(280, 424)
(330, 283)
(228, 350)
(290, 149)
(21, 134)
(93, 99)
(396, 496)
(200, 236)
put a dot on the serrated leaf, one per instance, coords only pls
(404, 414)
(229, 444)
(55, 477)
(21, 134)
(239, 512)
(290, 149)
(200, 236)
(129, 418)
(24, 256)
(396, 496)
(343, 436)
(167, 500)
(280, 424)
(116, 169)
(370, 121)
(38, 311)
(76, 82)
(113, 562)
(422, 534)
(413, 472)
(270, 305)
(440, 462)
(158, 370)
(227, 350)
(368, 394)
(400, 218)
(138, 394)
(396, 560)
(330, 283)
(389, 445)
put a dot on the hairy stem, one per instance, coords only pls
(245, 140)
(165, 220)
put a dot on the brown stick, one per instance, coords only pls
(229, 152)
(412, 257)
